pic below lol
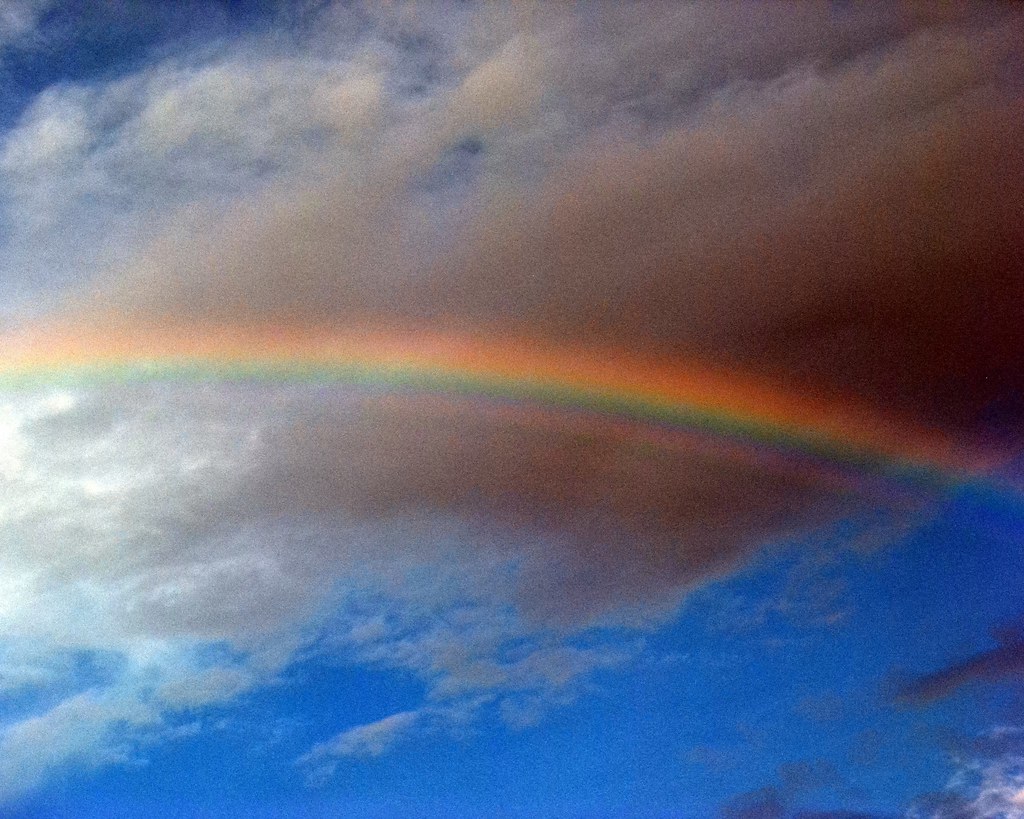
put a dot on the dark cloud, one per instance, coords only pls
(1004, 662)
(603, 519)
(821, 239)
(843, 217)
(764, 803)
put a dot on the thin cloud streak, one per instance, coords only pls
(1006, 661)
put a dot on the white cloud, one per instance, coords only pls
(1001, 791)
(88, 729)
(371, 739)
(52, 136)
(988, 782)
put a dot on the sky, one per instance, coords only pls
(530, 410)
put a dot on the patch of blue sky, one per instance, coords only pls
(34, 682)
(239, 760)
(705, 712)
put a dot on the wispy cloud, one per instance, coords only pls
(18, 19)
(1005, 661)
(986, 786)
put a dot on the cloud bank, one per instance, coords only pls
(193, 542)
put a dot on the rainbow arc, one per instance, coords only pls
(660, 398)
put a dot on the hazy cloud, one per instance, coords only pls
(18, 19)
(371, 739)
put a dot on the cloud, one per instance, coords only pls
(680, 217)
(376, 738)
(991, 788)
(582, 493)
(836, 814)
(208, 537)
(764, 803)
(796, 780)
(19, 18)
(1006, 661)
(370, 740)
(87, 729)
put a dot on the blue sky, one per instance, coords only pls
(274, 599)
(721, 700)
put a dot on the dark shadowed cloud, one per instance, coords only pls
(1003, 662)
(835, 206)
(607, 520)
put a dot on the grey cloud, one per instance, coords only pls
(474, 549)
(762, 236)
(614, 523)
(151, 520)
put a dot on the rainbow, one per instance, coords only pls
(665, 398)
